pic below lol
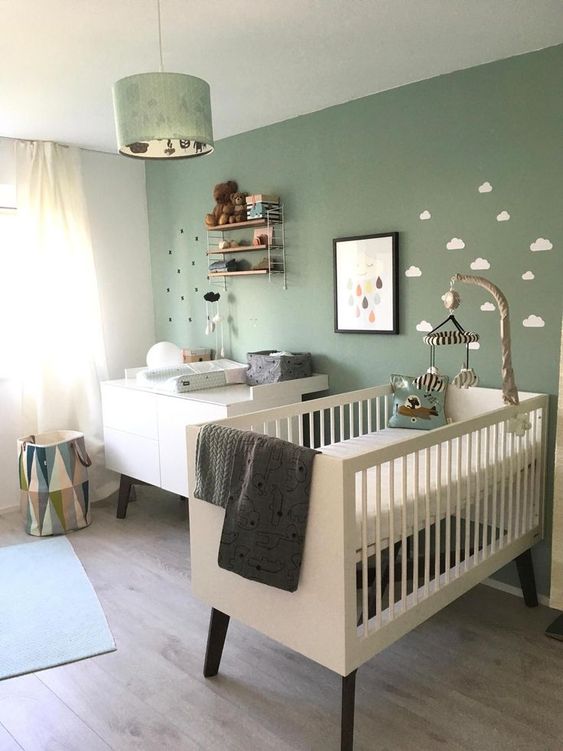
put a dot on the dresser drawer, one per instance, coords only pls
(132, 455)
(132, 411)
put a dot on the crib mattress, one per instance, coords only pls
(415, 506)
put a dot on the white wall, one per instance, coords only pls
(117, 207)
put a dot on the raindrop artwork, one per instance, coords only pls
(365, 281)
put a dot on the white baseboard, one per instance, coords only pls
(511, 590)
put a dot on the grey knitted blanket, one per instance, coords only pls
(263, 484)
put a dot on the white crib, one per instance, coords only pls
(401, 522)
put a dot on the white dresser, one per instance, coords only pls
(145, 430)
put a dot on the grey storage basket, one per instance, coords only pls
(265, 368)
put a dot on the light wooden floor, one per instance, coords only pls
(480, 675)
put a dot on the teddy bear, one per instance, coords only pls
(239, 201)
(224, 207)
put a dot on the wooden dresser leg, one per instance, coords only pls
(347, 717)
(525, 568)
(125, 484)
(218, 625)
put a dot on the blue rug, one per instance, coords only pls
(49, 612)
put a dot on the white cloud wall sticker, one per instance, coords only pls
(527, 276)
(504, 216)
(424, 326)
(413, 271)
(488, 306)
(542, 243)
(425, 215)
(456, 243)
(474, 345)
(533, 322)
(485, 187)
(480, 264)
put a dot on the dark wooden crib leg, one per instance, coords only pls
(125, 486)
(347, 718)
(525, 568)
(218, 625)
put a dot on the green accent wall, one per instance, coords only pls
(374, 165)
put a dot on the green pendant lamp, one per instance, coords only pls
(162, 115)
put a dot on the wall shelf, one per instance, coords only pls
(274, 248)
(211, 274)
(238, 249)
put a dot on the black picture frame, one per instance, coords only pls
(366, 295)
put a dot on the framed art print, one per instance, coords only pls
(366, 280)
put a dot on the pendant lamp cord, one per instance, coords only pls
(159, 35)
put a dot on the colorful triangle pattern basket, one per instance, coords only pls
(53, 470)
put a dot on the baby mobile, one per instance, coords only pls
(467, 377)
(214, 323)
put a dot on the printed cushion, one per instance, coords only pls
(417, 408)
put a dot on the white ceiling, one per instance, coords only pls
(265, 60)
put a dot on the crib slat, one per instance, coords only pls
(332, 425)
(311, 430)
(365, 591)
(278, 429)
(525, 499)
(468, 501)
(534, 469)
(458, 508)
(370, 417)
(378, 543)
(448, 541)
(486, 493)
(378, 413)
(391, 587)
(403, 535)
(415, 575)
(341, 425)
(496, 453)
(351, 419)
(477, 509)
(437, 525)
(427, 523)
(519, 468)
(361, 417)
(503, 442)
(511, 488)
(300, 428)
(290, 429)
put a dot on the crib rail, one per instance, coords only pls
(321, 422)
(461, 497)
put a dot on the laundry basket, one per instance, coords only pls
(53, 469)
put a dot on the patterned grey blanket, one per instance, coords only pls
(263, 484)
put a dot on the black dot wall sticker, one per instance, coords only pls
(181, 231)
(179, 271)
(168, 289)
(169, 252)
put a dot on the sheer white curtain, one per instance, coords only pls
(60, 350)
